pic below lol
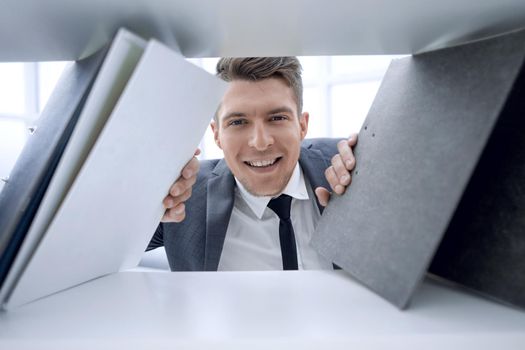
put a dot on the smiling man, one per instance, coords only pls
(257, 208)
(260, 132)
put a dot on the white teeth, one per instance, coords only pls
(261, 163)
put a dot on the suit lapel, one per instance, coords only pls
(220, 196)
(313, 164)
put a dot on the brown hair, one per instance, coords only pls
(258, 68)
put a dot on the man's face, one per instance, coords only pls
(260, 133)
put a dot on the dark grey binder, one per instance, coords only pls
(484, 246)
(445, 129)
(28, 181)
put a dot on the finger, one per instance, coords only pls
(169, 216)
(173, 203)
(340, 170)
(176, 214)
(183, 197)
(323, 195)
(346, 153)
(182, 185)
(197, 152)
(352, 140)
(168, 202)
(333, 180)
(191, 168)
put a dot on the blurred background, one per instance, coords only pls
(338, 92)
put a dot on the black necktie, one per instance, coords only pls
(281, 207)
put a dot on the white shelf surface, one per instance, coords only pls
(307, 309)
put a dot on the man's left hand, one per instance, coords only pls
(338, 174)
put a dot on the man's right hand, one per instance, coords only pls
(180, 192)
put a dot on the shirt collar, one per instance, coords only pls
(296, 188)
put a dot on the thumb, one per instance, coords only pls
(323, 195)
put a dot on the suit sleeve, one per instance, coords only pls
(158, 238)
(327, 146)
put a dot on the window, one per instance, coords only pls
(24, 89)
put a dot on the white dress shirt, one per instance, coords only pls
(252, 238)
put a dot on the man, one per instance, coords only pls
(223, 217)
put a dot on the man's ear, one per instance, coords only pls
(303, 122)
(215, 129)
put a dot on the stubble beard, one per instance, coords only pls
(254, 191)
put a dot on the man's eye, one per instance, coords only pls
(278, 117)
(237, 122)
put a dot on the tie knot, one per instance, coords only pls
(281, 206)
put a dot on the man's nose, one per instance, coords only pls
(261, 138)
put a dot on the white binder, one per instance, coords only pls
(143, 119)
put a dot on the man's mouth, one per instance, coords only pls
(264, 163)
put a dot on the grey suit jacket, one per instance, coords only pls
(196, 243)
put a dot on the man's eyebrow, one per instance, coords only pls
(282, 109)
